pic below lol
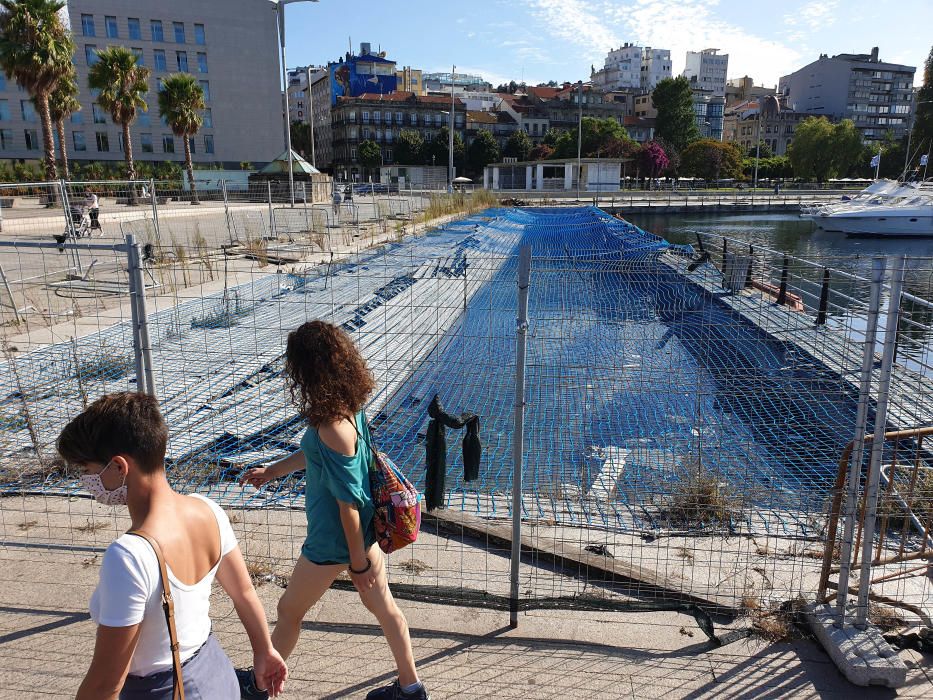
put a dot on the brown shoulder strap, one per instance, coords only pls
(168, 605)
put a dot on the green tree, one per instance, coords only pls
(301, 138)
(370, 154)
(601, 134)
(181, 101)
(711, 160)
(923, 121)
(676, 121)
(518, 145)
(439, 149)
(123, 85)
(482, 151)
(566, 145)
(551, 137)
(823, 150)
(35, 51)
(540, 152)
(763, 150)
(409, 148)
(63, 102)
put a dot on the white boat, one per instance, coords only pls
(905, 211)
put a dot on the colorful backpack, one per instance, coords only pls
(398, 504)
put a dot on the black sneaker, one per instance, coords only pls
(248, 689)
(395, 692)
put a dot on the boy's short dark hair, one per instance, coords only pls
(125, 423)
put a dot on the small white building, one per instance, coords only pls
(598, 175)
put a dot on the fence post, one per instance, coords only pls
(142, 349)
(751, 260)
(6, 285)
(855, 465)
(782, 292)
(881, 415)
(154, 199)
(271, 221)
(73, 252)
(223, 190)
(518, 443)
(824, 299)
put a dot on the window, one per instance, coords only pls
(377, 116)
(181, 58)
(77, 118)
(202, 62)
(399, 118)
(90, 54)
(6, 139)
(160, 64)
(179, 32)
(208, 143)
(2, 80)
(155, 27)
(208, 119)
(168, 143)
(206, 87)
(353, 154)
(191, 144)
(145, 141)
(100, 117)
(389, 154)
(4, 110)
(140, 59)
(133, 25)
(103, 141)
(366, 117)
(32, 139)
(111, 24)
(199, 35)
(28, 110)
(120, 143)
(353, 132)
(87, 25)
(388, 117)
(365, 132)
(414, 119)
(143, 118)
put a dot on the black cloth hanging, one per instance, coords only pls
(436, 450)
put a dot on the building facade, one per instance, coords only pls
(381, 118)
(877, 96)
(460, 82)
(410, 80)
(709, 111)
(231, 46)
(775, 128)
(706, 70)
(631, 68)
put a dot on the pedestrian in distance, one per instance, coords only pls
(182, 542)
(92, 203)
(336, 200)
(330, 383)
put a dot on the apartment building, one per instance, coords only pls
(231, 46)
(706, 70)
(876, 95)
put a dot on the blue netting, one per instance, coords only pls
(633, 371)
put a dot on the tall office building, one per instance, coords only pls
(231, 46)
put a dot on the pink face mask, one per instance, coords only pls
(93, 484)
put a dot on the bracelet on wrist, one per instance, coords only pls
(369, 565)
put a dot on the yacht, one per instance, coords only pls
(890, 209)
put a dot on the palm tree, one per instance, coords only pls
(63, 102)
(35, 50)
(181, 101)
(123, 85)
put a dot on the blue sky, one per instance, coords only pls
(560, 39)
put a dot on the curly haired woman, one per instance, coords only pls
(330, 383)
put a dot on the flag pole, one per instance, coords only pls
(878, 162)
(926, 161)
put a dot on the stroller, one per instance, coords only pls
(80, 228)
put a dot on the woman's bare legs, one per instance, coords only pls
(379, 601)
(305, 587)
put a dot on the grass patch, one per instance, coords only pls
(778, 624)
(413, 566)
(227, 314)
(885, 618)
(915, 489)
(105, 363)
(260, 572)
(457, 203)
(702, 497)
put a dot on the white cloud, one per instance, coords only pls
(814, 15)
(576, 22)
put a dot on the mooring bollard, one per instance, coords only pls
(782, 292)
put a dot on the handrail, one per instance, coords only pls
(839, 488)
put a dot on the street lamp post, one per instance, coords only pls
(450, 145)
(311, 118)
(280, 15)
(579, 136)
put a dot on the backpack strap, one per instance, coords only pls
(168, 605)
